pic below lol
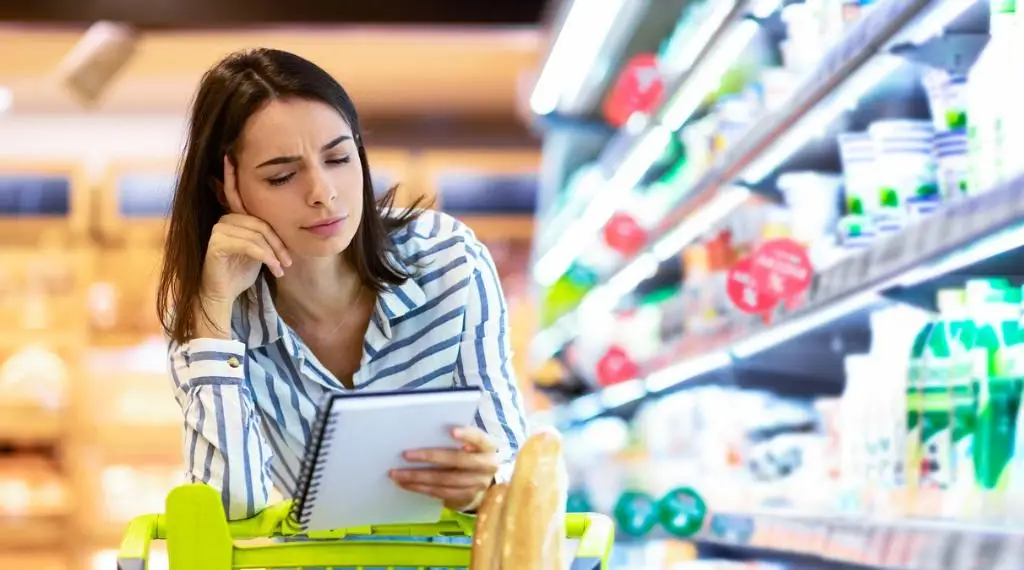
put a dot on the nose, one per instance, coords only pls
(321, 191)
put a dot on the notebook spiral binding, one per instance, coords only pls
(311, 469)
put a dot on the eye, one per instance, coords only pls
(281, 180)
(340, 160)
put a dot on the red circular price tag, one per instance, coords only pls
(778, 271)
(623, 234)
(616, 366)
(744, 290)
(782, 268)
(639, 87)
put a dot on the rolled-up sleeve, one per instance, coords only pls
(485, 360)
(223, 444)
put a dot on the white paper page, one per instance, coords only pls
(369, 435)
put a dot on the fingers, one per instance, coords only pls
(458, 490)
(262, 228)
(227, 241)
(455, 499)
(439, 478)
(478, 462)
(231, 195)
(475, 438)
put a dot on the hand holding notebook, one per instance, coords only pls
(359, 439)
(458, 476)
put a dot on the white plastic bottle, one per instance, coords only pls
(991, 100)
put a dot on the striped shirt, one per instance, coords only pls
(249, 403)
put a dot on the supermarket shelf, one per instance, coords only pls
(629, 153)
(981, 235)
(851, 69)
(33, 532)
(133, 440)
(30, 425)
(867, 542)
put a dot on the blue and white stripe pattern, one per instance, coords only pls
(249, 403)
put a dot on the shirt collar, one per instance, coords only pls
(261, 325)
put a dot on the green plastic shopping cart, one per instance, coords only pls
(199, 537)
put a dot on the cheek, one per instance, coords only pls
(268, 205)
(348, 182)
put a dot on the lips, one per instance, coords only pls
(326, 228)
(324, 223)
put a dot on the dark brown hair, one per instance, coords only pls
(229, 93)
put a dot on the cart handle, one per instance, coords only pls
(201, 503)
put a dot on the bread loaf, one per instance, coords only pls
(487, 533)
(534, 535)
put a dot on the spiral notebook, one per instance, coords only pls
(357, 439)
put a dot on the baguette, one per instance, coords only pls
(487, 532)
(534, 534)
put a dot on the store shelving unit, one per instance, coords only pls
(854, 66)
(799, 350)
(866, 542)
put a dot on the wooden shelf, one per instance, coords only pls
(131, 441)
(34, 560)
(26, 424)
(33, 533)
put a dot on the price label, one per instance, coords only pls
(822, 534)
(1012, 556)
(992, 211)
(896, 554)
(886, 258)
(1016, 197)
(847, 541)
(744, 290)
(959, 221)
(933, 553)
(949, 550)
(833, 280)
(778, 271)
(990, 550)
(932, 234)
(878, 546)
(967, 554)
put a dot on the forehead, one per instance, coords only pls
(291, 126)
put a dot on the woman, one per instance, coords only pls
(283, 281)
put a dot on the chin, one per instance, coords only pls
(319, 248)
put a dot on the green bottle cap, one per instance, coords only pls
(682, 512)
(635, 513)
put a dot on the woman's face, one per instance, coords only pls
(298, 170)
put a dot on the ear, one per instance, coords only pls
(218, 191)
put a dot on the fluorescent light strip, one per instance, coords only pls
(556, 261)
(815, 124)
(937, 16)
(574, 52)
(618, 395)
(701, 221)
(764, 8)
(550, 340)
(688, 369)
(706, 77)
(700, 40)
(586, 408)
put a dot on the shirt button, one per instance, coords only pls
(234, 362)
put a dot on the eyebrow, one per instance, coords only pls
(290, 159)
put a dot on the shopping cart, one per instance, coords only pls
(199, 537)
